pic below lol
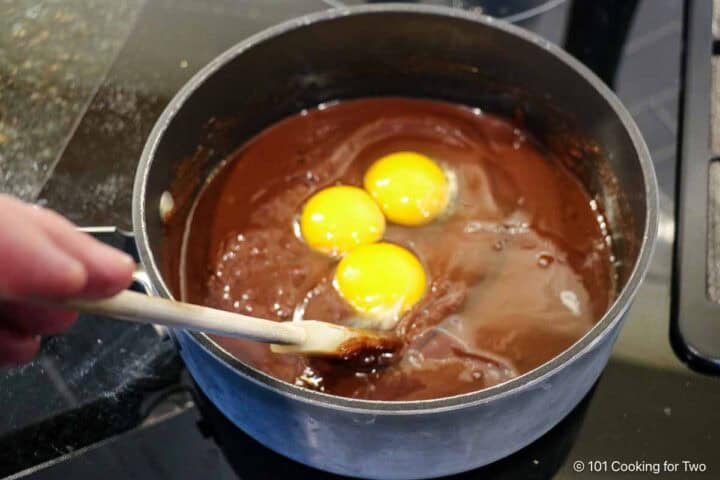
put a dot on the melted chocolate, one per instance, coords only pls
(518, 271)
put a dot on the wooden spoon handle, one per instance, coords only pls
(141, 308)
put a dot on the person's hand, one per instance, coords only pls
(44, 258)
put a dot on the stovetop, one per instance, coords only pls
(114, 398)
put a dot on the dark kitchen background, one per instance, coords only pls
(83, 81)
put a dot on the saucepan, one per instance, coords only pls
(412, 51)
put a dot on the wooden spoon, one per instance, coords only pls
(308, 337)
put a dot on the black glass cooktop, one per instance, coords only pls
(114, 398)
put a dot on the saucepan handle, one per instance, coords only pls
(125, 241)
(142, 280)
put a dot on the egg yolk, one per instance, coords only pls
(410, 188)
(380, 281)
(337, 219)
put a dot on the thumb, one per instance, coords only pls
(108, 269)
(32, 266)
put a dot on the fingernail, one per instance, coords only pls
(115, 255)
(70, 272)
(110, 271)
(127, 259)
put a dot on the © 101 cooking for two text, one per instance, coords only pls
(639, 466)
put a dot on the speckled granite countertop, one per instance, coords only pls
(83, 81)
(53, 56)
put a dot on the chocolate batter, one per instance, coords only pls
(518, 271)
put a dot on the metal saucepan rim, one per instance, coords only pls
(526, 381)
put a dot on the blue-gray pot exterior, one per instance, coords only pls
(395, 445)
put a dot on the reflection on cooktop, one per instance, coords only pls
(217, 449)
(250, 460)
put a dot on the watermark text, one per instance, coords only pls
(639, 466)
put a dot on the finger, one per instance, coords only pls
(109, 269)
(35, 320)
(31, 265)
(16, 348)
